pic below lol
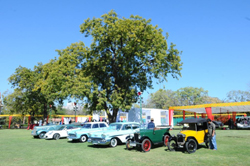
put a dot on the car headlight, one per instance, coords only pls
(139, 136)
(103, 135)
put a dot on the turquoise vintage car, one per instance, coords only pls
(82, 133)
(115, 133)
(40, 131)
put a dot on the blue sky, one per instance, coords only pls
(213, 35)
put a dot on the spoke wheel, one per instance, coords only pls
(113, 142)
(172, 144)
(83, 138)
(166, 139)
(56, 136)
(191, 146)
(146, 145)
(128, 146)
(41, 135)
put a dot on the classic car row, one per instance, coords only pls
(192, 134)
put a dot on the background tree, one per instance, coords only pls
(124, 57)
(191, 96)
(238, 96)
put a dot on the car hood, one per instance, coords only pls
(112, 133)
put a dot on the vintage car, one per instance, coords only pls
(193, 133)
(145, 138)
(115, 133)
(61, 132)
(82, 133)
(40, 131)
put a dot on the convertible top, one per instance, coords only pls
(193, 120)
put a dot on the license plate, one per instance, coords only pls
(70, 139)
(94, 142)
(132, 144)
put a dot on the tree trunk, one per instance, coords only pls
(112, 118)
(45, 111)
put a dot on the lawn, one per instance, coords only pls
(18, 147)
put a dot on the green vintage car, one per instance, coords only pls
(146, 138)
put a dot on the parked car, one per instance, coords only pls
(146, 138)
(115, 133)
(82, 133)
(218, 124)
(40, 131)
(61, 132)
(193, 133)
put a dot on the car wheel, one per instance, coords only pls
(191, 146)
(128, 146)
(56, 136)
(146, 145)
(84, 138)
(166, 139)
(41, 135)
(113, 142)
(172, 144)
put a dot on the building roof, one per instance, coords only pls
(216, 108)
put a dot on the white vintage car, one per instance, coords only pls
(62, 132)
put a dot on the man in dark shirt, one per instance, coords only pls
(212, 135)
(151, 124)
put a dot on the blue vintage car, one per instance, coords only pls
(82, 133)
(116, 133)
(40, 131)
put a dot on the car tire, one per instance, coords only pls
(166, 140)
(41, 135)
(146, 145)
(128, 147)
(113, 142)
(172, 144)
(191, 146)
(56, 136)
(83, 138)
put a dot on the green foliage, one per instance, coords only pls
(238, 96)
(126, 53)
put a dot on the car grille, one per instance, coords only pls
(180, 138)
(96, 139)
(136, 137)
(72, 135)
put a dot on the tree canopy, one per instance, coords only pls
(123, 58)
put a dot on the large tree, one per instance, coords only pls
(123, 58)
(25, 99)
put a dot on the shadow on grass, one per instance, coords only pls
(99, 146)
(183, 150)
(138, 148)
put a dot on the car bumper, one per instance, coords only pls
(98, 141)
(134, 143)
(71, 138)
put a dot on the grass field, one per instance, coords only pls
(18, 147)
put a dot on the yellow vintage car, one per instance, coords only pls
(193, 133)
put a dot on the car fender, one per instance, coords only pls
(144, 137)
(193, 139)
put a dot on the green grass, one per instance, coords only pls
(18, 147)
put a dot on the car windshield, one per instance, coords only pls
(61, 128)
(189, 126)
(115, 126)
(86, 126)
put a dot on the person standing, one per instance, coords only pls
(151, 124)
(212, 135)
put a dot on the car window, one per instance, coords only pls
(135, 127)
(95, 126)
(69, 127)
(115, 126)
(103, 125)
(86, 126)
(126, 127)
